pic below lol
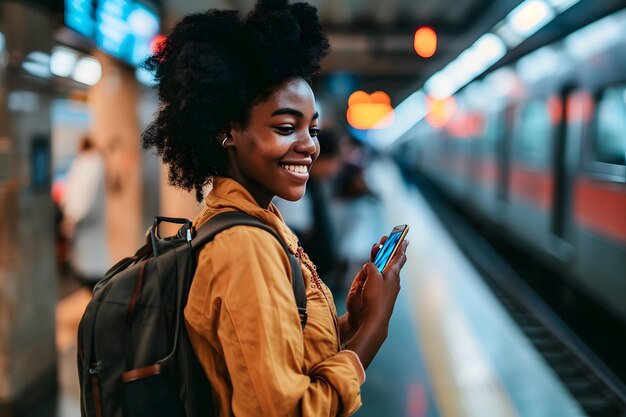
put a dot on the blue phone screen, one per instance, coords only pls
(384, 253)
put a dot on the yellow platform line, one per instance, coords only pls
(463, 380)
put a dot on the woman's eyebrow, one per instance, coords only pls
(293, 112)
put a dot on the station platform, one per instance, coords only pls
(452, 349)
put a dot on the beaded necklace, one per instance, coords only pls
(304, 259)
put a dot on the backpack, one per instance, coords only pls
(134, 355)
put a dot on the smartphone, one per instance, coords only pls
(390, 246)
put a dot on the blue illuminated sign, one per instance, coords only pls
(122, 28)
(79, 16)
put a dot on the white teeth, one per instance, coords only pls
(300, 169)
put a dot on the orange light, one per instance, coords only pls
(425, 42)
(439, 111)
(157, 43)
(366, 111)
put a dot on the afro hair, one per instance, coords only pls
(210, 71)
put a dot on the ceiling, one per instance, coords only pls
(373, 39)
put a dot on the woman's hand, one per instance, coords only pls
(380, 291)
(370, 304)
(351, 322)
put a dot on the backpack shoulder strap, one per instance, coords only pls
(226, 220)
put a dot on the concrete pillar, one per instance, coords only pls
(116, 128)
(28, 279)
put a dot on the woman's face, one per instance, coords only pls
(273, 154)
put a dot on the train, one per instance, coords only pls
(536, 150)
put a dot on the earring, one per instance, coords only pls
(226, 137)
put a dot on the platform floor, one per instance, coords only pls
(452, 350)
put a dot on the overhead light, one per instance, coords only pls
(529, 17)
(486, 51)
(38, 57)
(367, 111)
(538, 65)
(38, 64)
(88, 71)
(440, 86)
(522, 22)
(468, 64)
(63, 61)
(510, 37)
(453, 77)
(425, 42)
(489, 49)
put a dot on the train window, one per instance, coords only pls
(534, 133)
(609, 141)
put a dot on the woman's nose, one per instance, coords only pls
(307, 144)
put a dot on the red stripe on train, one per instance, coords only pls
(532, 186)
(601, 207)
(597, 206)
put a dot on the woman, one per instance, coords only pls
(238, 113)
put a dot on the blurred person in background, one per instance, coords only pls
(357, 209)
(237, 112)
(83, 209)
(310, 217)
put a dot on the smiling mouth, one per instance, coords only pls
(298, 169)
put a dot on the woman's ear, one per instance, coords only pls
(225, 139)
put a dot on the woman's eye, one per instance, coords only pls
(285, 130)
(314, 132)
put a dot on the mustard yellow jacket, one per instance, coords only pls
(244, 325)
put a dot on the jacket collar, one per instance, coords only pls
(228, 195)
